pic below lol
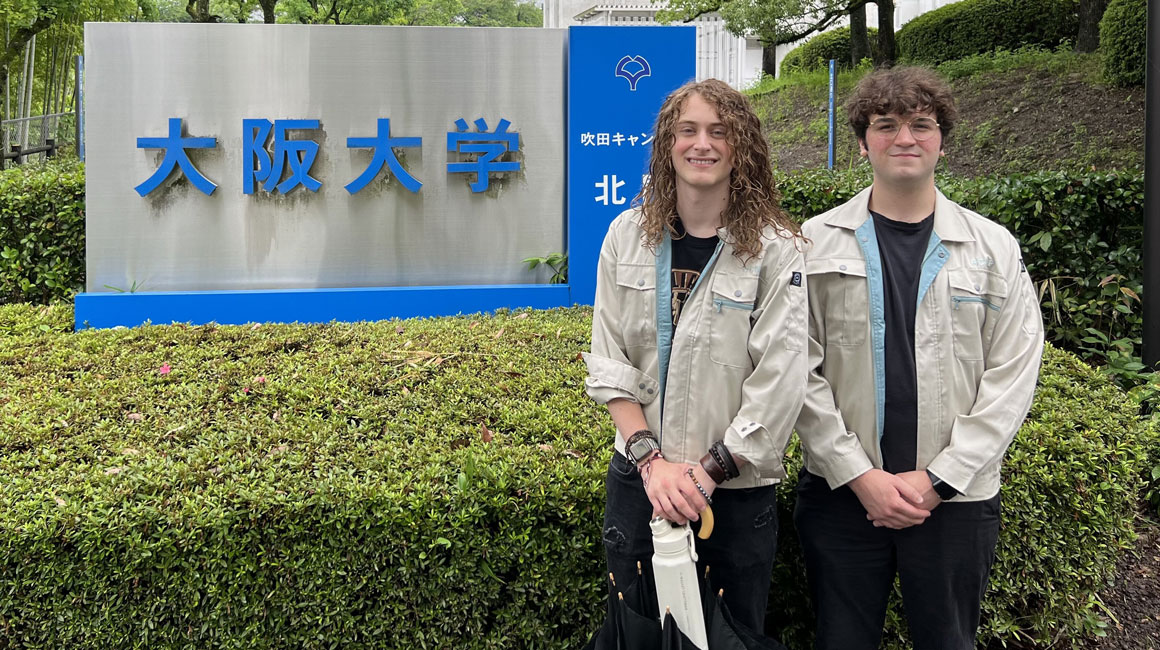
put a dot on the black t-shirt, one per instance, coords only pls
(690, 255)
(902, 247)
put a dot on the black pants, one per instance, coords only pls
(942, 566)
(739, 553)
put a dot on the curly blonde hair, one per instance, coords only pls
(754, 201)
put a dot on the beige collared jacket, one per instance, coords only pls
(978, 340)
(734, 368)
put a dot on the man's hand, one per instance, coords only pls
(673, 494)
(920, 481)
(889, 500)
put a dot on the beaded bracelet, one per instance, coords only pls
(708, 499)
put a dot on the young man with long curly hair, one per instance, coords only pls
(925, 342)
(699, 345)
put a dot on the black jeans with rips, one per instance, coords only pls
(942, 566)
(739, 553)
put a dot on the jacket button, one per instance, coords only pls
(640, 283)
(842, 267)
(650, 391)
(737, 294)
(978, 288)
(642, 386)
(942, 254)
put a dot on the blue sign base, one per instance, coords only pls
(308, 305)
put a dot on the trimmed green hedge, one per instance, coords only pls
(1123, 41)
(411, 484)
(295, 486)
(1082, 236)
(975, 26)
(42, 231)
(817, 52)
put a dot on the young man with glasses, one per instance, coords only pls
(925, 344)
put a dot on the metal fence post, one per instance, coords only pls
(833, 113)
(80, 107)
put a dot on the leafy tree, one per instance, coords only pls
(500, 13)
(471, 13)
(777, 22)
(24, 19)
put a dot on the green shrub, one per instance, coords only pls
(42, 231)
(1082, 236)
(412, 484)
(1123, 41)
(817, 52)
(1062, 60)
(299, 486)
(971, 27)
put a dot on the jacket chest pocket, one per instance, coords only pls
(976, 300)
(730, 319)
(842, 285)
(637, 287)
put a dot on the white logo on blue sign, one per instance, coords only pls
(633, 69)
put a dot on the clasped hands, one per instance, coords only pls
(896, 500)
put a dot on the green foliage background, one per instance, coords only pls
(1123, 41)
(42, 232)
(413, 484)
(817, 52)
(1082, 236)
(975, 26)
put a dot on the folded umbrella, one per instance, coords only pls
(632, 621)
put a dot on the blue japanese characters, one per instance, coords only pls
(275, 162)
(175, 156)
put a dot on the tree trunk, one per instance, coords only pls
(884, 57)
(14, 48)
(268, 16)
(859, 38)
(198, 11)
(769, 59)
(1090, 13)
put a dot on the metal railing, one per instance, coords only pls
(46, 130)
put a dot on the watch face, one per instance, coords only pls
(641, 448)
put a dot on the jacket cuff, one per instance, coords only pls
(840, 471)
(609, 379)
(952, 473)
(750, 440)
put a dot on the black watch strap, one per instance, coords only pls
(944, 490)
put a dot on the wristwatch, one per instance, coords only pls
(640, 448)
(944, 490)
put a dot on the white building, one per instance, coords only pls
(735, 60)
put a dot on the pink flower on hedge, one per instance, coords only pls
(260, 380)
(164, 369)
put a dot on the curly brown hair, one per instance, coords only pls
(754, 201)
(902, 90)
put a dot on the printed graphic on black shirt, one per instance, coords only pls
(690, 255)
(683, 282)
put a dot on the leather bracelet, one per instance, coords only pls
(708, 499)
(642, 433)
(725, 459)
(715, 471)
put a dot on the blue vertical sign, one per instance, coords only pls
(618, 77)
